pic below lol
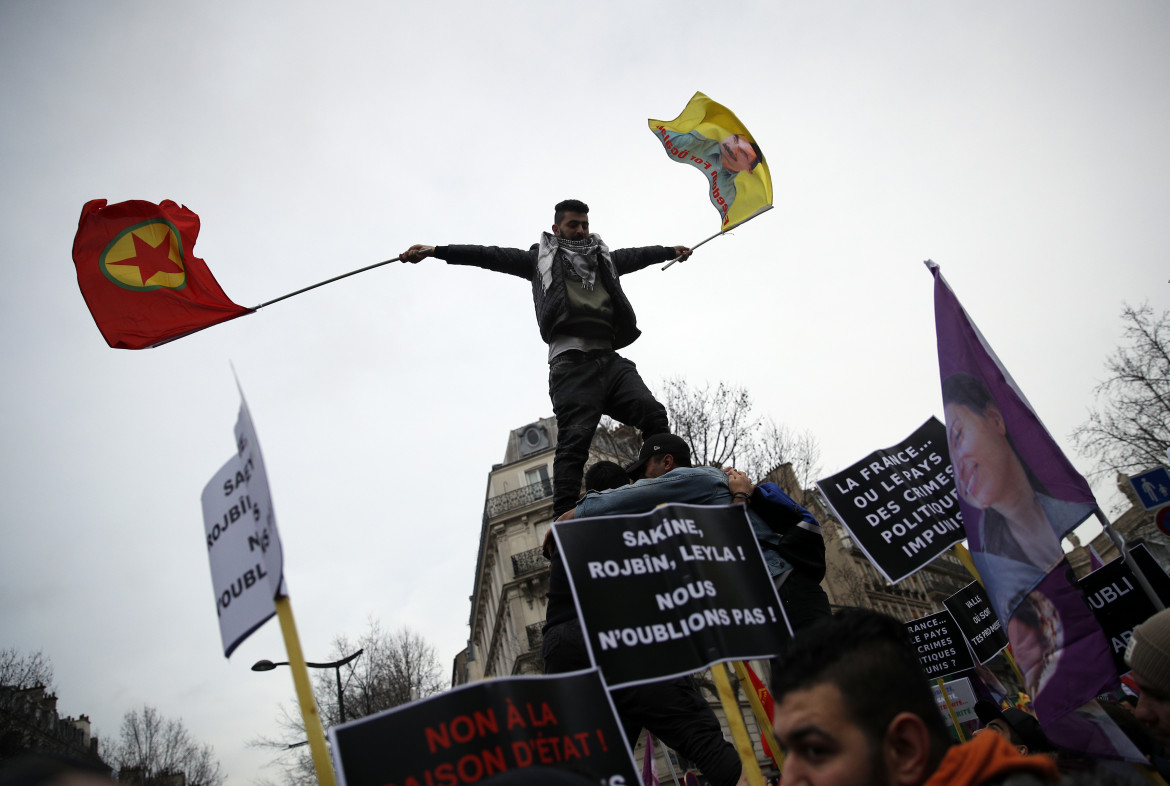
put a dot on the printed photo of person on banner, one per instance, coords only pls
(1019, 496)
(1017, 531)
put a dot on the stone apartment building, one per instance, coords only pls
(29, 723)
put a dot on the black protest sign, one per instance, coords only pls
(900, 503)
(1118, 601)
(671, 591)
(940, 645)
(485, 728)
(976, 619)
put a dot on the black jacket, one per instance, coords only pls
(551, 308)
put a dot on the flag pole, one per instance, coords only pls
(954, 718)
(739, 734)
(312, 718)
(762, 719)
(1119, 542)
(669, 763)
(329, 281)
(763, 209)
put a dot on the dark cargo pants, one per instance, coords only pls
(584, 386)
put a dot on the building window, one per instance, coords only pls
(539, 475)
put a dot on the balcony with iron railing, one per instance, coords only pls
(518, 498)
(528, 562)
(535, 633)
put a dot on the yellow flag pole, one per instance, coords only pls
(763, 209)
(762, 718)
(743, 743)
(951, 710)
(312, 718)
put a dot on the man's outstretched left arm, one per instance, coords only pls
(628, 260)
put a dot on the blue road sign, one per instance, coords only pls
(1152, 487)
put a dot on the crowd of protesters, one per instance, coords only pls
(852, 705)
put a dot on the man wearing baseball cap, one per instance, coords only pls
(789, 536)
(1148, 654)
(1014, 725)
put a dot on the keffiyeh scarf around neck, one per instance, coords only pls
(583, 255)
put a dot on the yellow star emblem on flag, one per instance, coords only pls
(145, 257)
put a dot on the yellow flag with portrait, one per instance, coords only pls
(709, 137)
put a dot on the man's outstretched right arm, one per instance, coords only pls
(512, 261)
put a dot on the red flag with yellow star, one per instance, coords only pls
(140, 277)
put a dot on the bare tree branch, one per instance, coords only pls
(1129, 429)
(722, 430)
(395, 667)
(26, 670)
(152, 747)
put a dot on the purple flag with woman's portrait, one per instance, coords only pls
(1019, 496)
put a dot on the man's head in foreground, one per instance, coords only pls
(1014, 725)
(1148, 654)
(853, 706)
(660, 454)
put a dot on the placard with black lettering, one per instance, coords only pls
(670, 592)
(976, 619)
(484, 728)
(900, 503)
(940, 645)
(1118, 601)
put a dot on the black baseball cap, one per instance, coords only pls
(1024, 725)
(661, 445)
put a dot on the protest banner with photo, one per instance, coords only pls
(1020, 495)
(1118, 602)
(899, 504)
(670, 592)
(243, 546)
(484, 728)
(977, 620)
(940, 645)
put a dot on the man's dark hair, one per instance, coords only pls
(569, 206)
(869, 658)
(606, 475)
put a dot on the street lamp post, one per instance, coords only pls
(267, 665)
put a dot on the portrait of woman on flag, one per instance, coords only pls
(1020, 524)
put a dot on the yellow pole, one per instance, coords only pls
(968, 563)
(761, 715)
(296, 662)
(743, 743)
(951, 710)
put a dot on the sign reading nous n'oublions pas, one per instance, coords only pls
(670, 592)
(243, 546)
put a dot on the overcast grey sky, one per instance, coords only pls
(1021, 145)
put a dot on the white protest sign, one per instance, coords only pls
(962, 698)
(243, 547)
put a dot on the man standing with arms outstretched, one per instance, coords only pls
(584, 317)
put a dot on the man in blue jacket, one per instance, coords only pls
(790, 537)
(584, 317)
